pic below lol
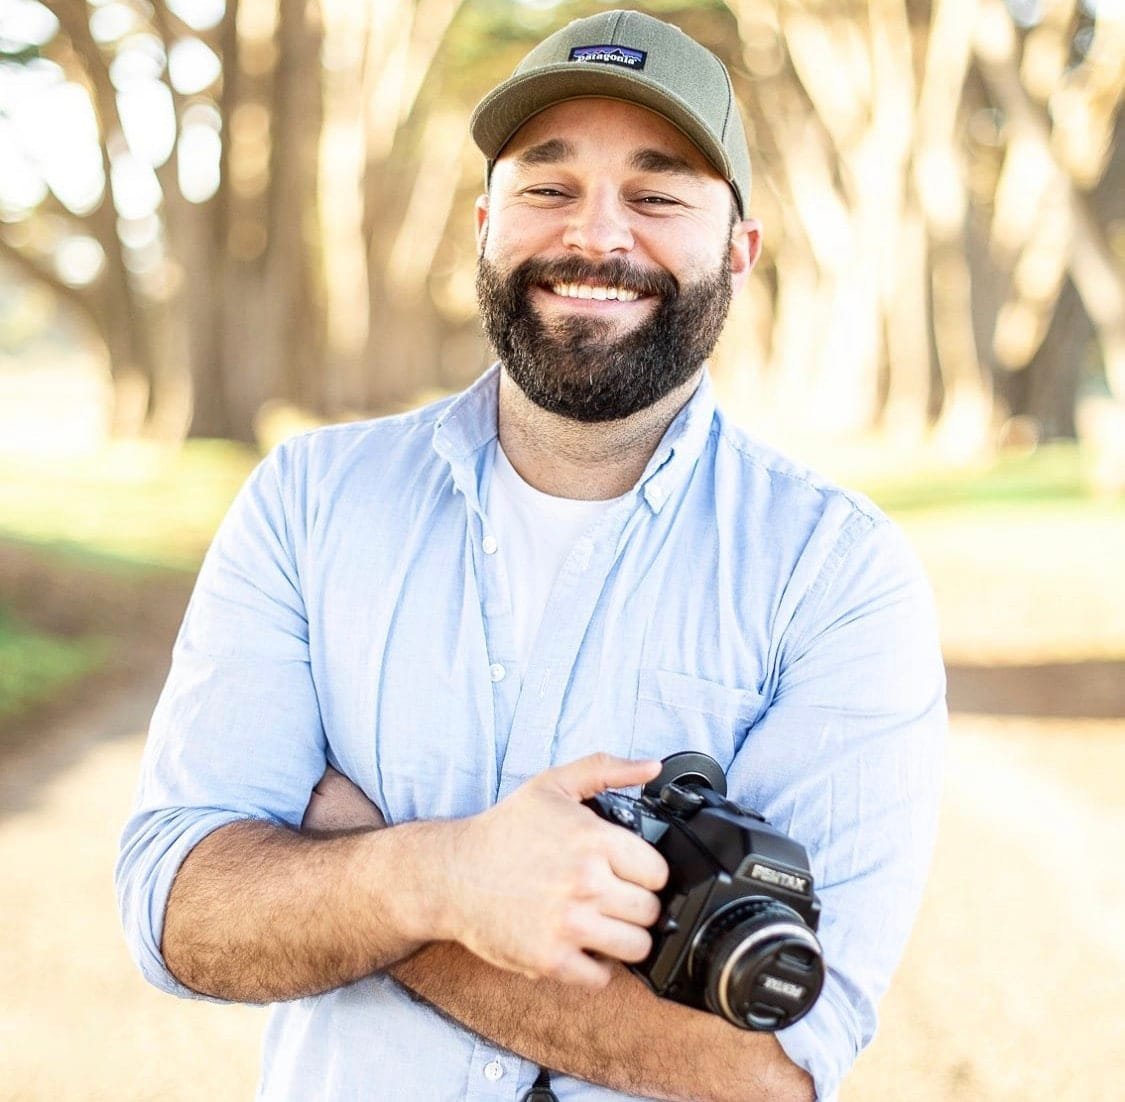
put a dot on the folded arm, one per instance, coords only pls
(260, 913)
(605, 1036)
(221, 894)
(535, 884)
(622, 1037)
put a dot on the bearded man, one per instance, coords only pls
(454, 626)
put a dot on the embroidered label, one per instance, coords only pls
(610, 55)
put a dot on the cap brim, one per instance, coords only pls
(507, 107)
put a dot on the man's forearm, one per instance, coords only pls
(622, 1037)
(259, 913)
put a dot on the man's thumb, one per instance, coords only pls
(590, 775)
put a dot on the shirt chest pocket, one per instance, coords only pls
(677, 711)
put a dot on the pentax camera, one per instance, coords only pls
(736, 932)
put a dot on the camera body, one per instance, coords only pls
(736, 932)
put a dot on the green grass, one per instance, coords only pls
(34, 667)
(1025, 561)
(1050, 476)
(135, 507)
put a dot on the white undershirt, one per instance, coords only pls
(534, 533)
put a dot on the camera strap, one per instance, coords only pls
(541, 1089)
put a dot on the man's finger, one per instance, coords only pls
(630, 903)
(595, 773)
(632, 859)
(584, 970)
(610, 937)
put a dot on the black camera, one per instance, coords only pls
(736, 929)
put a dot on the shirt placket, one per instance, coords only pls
(499, 630)
(570, 608)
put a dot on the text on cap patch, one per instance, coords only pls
(610, 55)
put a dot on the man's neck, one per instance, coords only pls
(592, 462)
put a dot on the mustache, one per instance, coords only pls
(616, 272)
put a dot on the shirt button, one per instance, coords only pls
(496, 672)
(493, 1070)
(490, 545)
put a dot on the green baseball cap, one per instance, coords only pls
(630, 56)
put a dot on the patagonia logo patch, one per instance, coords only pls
(610, 55)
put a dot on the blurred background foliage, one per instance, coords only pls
(224, 220)
(255, 205)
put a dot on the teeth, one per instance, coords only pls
(589, 290)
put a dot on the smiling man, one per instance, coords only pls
(607, 259)
(419, 643)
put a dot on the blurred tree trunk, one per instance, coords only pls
(121, 317)
(939, 188)
(860, 113)
(410, 181)
(256, 318)
(235, 313)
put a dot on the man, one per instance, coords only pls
(485, 611)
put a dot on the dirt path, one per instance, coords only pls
(1012, 985)
(1010, 990)
(76, 1020)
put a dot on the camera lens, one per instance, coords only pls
(760, 966)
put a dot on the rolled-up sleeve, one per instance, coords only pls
(237, 732)
(848, 760)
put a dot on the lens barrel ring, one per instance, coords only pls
(727, 959)
(731, 936)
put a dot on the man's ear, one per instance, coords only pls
(480, 210)
(745, 248)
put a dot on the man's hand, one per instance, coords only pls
(541, 882)
(538, 882)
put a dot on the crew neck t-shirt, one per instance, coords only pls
(533, 533)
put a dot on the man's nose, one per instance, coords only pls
(599, 224)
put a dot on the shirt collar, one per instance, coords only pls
(463, 431)
(469, 423)
(681, 445)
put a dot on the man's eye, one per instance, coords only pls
(657, 201)
(546, 192)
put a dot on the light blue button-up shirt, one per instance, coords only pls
(732, 603)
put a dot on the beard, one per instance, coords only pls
(574, 366)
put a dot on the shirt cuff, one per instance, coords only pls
(823, 1044)
(154, 846)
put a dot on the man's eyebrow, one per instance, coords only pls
(655, 160)
(556, 150)
(546, 153)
